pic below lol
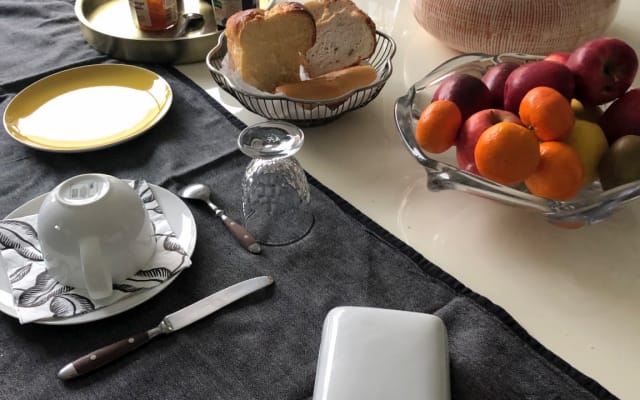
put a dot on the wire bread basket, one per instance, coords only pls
(305, 112)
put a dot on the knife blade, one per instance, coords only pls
(170, 323)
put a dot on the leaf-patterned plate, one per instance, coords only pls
(183, 225)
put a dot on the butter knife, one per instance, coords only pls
(169, 324)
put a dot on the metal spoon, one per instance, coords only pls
(191, 20)
(198, 191)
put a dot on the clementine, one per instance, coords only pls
(507, 153)
(547, 112)
(559, 174)
(438, 126)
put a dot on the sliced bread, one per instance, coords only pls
(345, 36)
(268, 47)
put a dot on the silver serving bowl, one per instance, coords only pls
(589, 206)
(305, 112)
(108, 26)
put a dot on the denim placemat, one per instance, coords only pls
(266, 345)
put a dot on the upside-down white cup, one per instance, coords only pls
(94, 231)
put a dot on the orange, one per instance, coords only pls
(559, 174)
(547, 112)
(438, 126)
(507, 153)
(569, 224)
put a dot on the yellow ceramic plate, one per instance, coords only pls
(88, 108)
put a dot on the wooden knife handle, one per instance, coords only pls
(242, 235)
(102, 356)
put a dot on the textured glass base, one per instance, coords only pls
(275, 191)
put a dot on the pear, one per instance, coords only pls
(621, 163)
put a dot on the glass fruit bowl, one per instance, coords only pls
(297, 111)
(589, 206)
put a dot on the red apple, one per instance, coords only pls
(471, 130)
(622, 117)
(559, 57)
(495, 78)
(469, 93)
(537, 73)
(604, 69)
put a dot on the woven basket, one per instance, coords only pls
(525, 26)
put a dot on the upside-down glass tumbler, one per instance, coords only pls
(275, 191)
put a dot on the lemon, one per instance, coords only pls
(588, 113)
(590, 142)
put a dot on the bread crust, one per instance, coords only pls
(331, 85)
(237, 21)
(267, 47)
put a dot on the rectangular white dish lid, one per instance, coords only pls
(374, 354)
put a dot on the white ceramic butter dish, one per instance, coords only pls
(382, 354)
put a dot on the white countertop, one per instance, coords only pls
(575, 291)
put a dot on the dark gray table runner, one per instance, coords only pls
(264, 346)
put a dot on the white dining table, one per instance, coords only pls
(576, 291)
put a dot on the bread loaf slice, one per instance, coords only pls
(268, 47)
(345, 35)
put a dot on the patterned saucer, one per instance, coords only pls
(183, 225)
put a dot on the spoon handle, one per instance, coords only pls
(183, 28)
(242, 235)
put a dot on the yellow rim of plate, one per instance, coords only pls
(116, 75)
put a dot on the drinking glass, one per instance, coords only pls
(275, 191)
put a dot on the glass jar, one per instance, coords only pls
(154, 15)
(223, 9)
